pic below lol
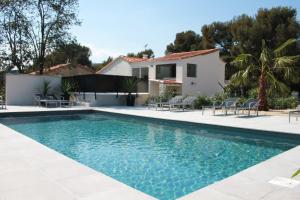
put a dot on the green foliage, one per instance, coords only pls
(203, 101)
(283, 103)
(296, 173)
(36, 27)
(148, 52)
(71, 52)
(102, 64)
(46, 88)
(15, 51)
(67, 87)
(267, 66)
(253, 93)
(166, 97)
(185, 41)
(130, 85)
(2, 89)
(243, 34)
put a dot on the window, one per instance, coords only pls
(165, 71)
(144, 73)
(136, 72)
(191, 70)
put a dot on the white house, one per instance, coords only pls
(187, 73)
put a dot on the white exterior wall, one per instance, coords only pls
(152, 71)
(119, 67)
(20, 89)
(210, 70)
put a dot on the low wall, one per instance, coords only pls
(111, 99)
(20, 89)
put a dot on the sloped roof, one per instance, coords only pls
(184, 55)
(126, 58)
(60, 66)
(134, 59)
(172, 56)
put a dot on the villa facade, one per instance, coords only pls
(188, 73)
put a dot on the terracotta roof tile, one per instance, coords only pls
(134, 59)
(184, 55)
(56, 67)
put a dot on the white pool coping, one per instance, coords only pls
(30, 170)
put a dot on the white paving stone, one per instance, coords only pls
(29, 170)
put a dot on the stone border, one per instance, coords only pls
(30, 170)
(57, 181)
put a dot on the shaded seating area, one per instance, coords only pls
(294, 113)
(225, 106)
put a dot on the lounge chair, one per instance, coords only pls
(226, 105)
(187, 102)
(37, 99)
(250, 104)
(152, 102)
(48, 100)
(63, 102)
(169, 104)
(2, 103)
(295, 113)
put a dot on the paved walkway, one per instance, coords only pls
(262, 122)
(29, 170)
(32, 171)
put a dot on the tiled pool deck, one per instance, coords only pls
(29, 170)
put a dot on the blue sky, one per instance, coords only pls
(116, 27)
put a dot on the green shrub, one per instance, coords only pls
(220, 97)
(253, 93)
(283, 103)
(203, 101)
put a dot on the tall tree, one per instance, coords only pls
(148, 52)
(71, 52)
(49, 24)
(34, 25)
(185, 41)
(267, 66)
(103, 63)
(15, 50)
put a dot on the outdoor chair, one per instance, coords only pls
(52, 99)
(187, 102)
(169, 104)
(63, 102)
(152, 102)
(250, 104)
(295, 113)
(2, 103)
(37, 99)
(48, 100)
(228, 104)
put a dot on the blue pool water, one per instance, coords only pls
(164, 159)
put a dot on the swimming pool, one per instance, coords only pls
(165, 159)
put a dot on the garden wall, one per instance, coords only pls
(110, 99)
(20, 89)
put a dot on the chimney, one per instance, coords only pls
(145, 56)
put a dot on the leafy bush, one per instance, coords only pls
(220, 97)
(46, 88)
(203, 101)
(253, 93)
(283, 102)
(2, 90)
(68, 86)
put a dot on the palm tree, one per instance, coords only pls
(267, 67)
